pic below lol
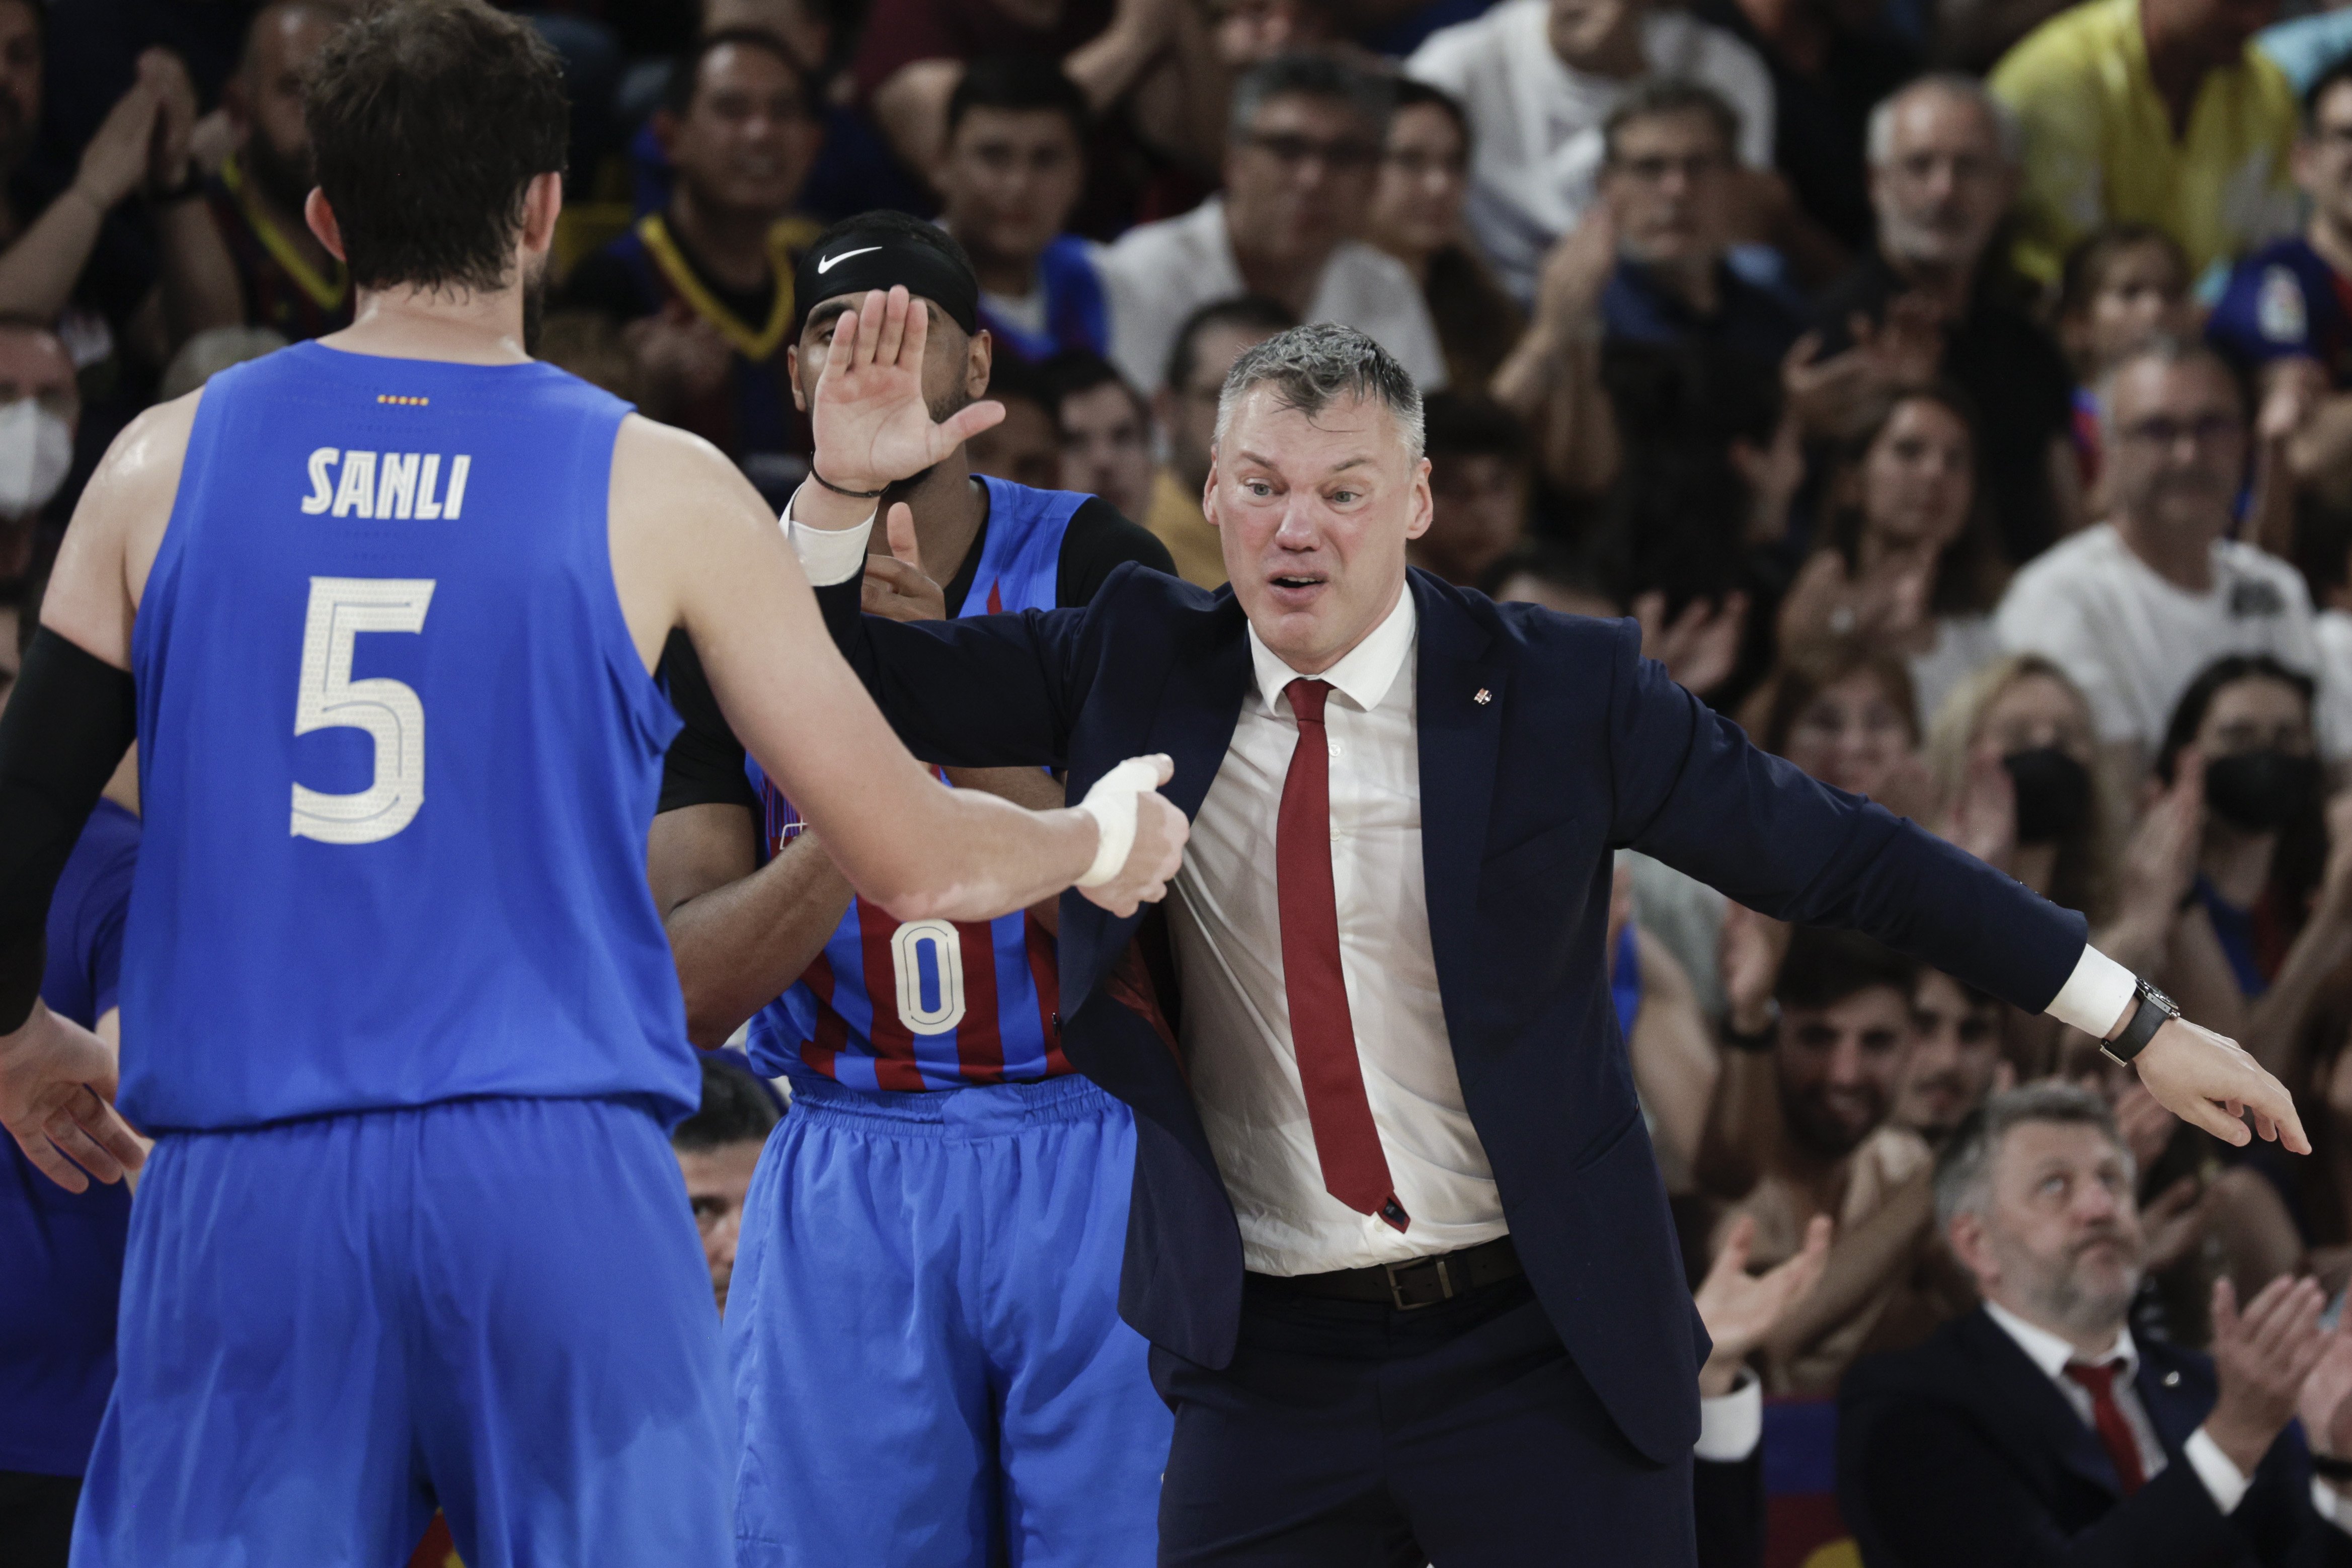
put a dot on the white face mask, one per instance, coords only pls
(36, 450)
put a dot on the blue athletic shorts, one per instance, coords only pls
(923, 1328)
(329, 1326)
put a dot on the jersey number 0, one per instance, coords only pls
(388, 711)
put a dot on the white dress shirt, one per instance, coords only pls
(1226, 921)
(2225, 1482)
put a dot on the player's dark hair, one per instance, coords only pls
(1249, 312)
(1466, 425)
(1073, 371)
(2325, 82)
(428, 120)
(1408, 93)
(1015, 83)
(1010, 376)
(1552, 563)
(686, 73)
(737, 1107)
(1825, 967)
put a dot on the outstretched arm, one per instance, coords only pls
(1693, 792)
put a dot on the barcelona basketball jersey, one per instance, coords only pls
(897, 1005)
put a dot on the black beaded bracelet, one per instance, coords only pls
(2329, 1468)
(853, 495)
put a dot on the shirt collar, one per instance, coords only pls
(2052, 1353)
(1364, 676)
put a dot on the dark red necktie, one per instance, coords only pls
(1322, 1031)
(2107, 1415)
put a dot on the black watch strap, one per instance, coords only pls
(1762, 1039)
(2154, 1009)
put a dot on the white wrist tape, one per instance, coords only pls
(1111, 803)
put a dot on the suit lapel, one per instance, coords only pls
(2015, 1387)
(1461, 693)
(1208, 679)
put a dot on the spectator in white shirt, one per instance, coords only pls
(1957, 1453)
(1541, 78)
(1302, 154)
(2133, 608)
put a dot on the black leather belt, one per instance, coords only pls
(1408, 1285)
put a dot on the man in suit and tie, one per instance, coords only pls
(1397, 1235)
(2037, 1430)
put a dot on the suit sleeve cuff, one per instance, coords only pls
(2223, 1480)
(1730, 1428)
(828, 555)
(2095, 995)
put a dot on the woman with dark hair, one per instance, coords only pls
(1416, 216)
(2268, 917)
(1907, 565)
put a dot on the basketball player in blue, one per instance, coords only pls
(381, 612)
(923, 1324)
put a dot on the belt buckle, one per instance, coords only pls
(1445, 1291)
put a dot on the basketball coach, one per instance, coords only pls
(1397, 1235)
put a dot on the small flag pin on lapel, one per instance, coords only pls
(2172, 1380)
(1482, 697)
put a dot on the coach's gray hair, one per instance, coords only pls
(2166, 349)
(1309, 368)
(1312, 76)
(1964, 1170)
(2006, 132)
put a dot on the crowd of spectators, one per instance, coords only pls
(1958, 394)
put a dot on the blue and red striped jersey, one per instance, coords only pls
(908, 1005)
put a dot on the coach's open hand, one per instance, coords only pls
(871, 425)
(2208, 1080)
(56, 1100)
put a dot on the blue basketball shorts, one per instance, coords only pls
(330, 1326)
(923, 1329)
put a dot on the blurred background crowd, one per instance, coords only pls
(1958, 391)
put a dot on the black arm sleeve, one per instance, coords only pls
(69, 720)
(1097, 540)
(705, 765)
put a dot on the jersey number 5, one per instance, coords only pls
(340, 609)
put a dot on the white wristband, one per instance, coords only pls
(828, 555)
(1111, 803)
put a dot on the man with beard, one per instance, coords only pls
(478, 1281)
(930, 1365)
(2040, 1430)
(702, 290)
(1955, 1057)
(2134, 608)
(1821, 1078)
(290, 283)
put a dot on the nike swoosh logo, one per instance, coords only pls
(829, 263)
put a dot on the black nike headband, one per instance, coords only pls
(855, 261)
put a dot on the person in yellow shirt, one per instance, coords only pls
(2155, 111)
(1211, 339)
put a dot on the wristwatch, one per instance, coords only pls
(2154, 1009)
(1762, 1039)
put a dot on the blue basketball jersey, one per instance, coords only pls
(918, 1004)
(398, 757)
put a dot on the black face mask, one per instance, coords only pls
(2053, 793)
(2261, 792)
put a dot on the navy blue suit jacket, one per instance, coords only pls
(1580, 747)
(1959, 1453)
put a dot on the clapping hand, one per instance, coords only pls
(56, 1100)
(2261, 1359)
(1741, 1310)
(1698, 646)
(1984, 819)
(872, 424)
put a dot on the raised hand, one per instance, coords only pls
(2261, 1359)
(56, 1100)
(897, 586)
(872, 423)
(1741, 1310)
(1747, 956)
(2326, 1405)
(116, 159)
(2210, 1080)
(1698, 646)
(1984, 819)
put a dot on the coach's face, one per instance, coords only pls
(1314, 514)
